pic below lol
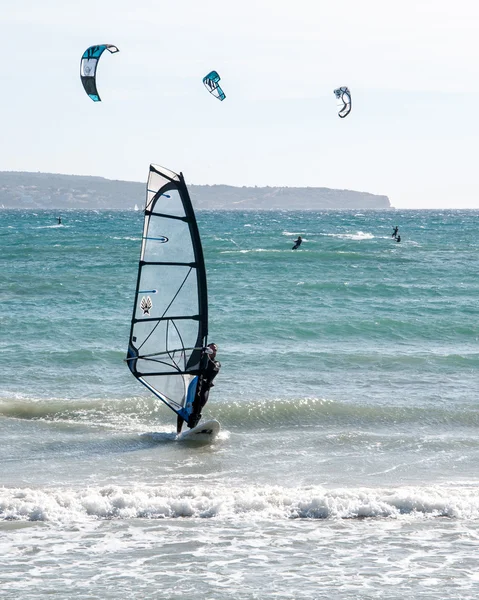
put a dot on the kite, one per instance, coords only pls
(343, 100)
(89, 65)
(211, 84)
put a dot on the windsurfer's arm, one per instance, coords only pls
(212, 371)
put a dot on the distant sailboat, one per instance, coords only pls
(136, 207)
(167, 347)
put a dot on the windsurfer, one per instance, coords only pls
(205, 383)
(59, 220)
(395, 232)
(297, 243)
(398, 239)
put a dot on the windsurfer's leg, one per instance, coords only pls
(194, 419)
(200, 400)
(179, 424)
(204, 398)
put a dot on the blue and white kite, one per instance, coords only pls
(211, 84)
(89, 65)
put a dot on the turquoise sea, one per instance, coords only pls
(347, 466)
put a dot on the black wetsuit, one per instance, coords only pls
(398, 239)
(395, 232)
(205, 383)
(297, 243)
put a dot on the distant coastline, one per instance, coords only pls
(20, 189)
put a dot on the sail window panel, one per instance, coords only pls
(175, 294)
(169, 203)
(167, 240)
(173, 389)
(166, 345)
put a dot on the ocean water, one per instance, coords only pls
(347, 466)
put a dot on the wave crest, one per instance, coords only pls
(226, 502)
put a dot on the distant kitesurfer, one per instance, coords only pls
(297, 243)
(59, 220)
(205, 383)
(398, 239)
(395, 232)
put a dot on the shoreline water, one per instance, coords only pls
(348, 457)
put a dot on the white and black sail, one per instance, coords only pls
(170, 316)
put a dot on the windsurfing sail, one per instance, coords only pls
(211, 82)
(343, 100)
(89, 65)
(170, 315)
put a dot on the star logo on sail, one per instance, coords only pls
(146, 305)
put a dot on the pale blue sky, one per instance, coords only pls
(412, 68)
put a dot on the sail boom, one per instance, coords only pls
(160, 353)
(159, 374)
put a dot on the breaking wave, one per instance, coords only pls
(236, 503)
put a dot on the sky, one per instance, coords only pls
(412, 68)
